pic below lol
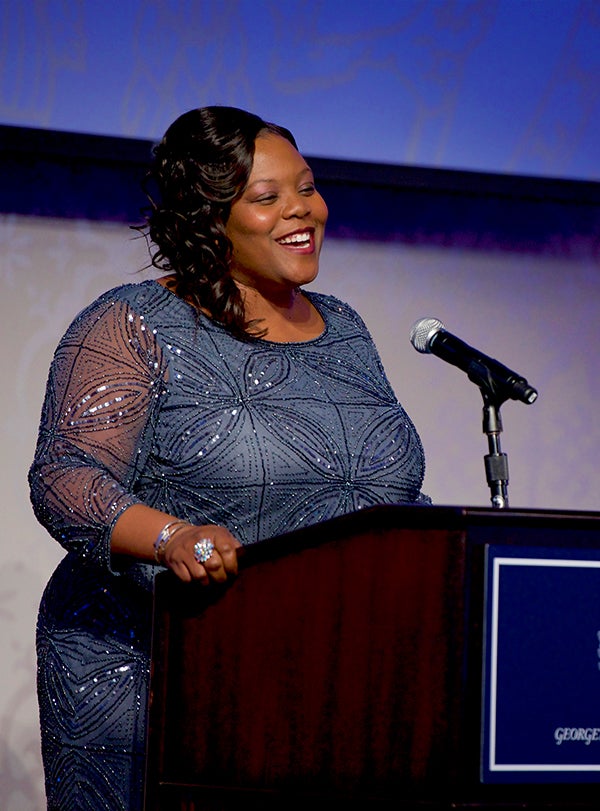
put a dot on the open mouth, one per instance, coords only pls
(299, 239)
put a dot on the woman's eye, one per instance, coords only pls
(308, 190)
(266, 198)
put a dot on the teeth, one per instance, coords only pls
(295, 239)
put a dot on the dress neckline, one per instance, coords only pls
(209, 322)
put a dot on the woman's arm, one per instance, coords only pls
(104, 392)
(138, 528)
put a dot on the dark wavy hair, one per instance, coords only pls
(199, 169)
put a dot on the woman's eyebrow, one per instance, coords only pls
(306, 171)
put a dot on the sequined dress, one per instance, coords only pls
(148, 403)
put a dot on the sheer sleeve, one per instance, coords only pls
(102, 396)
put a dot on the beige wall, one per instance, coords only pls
(537, 315)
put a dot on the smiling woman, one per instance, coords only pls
(216, 406)
(276, 228)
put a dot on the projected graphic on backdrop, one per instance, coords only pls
(498, 85)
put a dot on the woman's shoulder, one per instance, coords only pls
(334, 310)
(113, 309)
(134, 296)
(131, 293)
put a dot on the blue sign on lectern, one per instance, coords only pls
(541, 719)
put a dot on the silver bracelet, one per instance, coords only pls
(164, 536)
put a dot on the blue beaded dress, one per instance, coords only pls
(148, 402)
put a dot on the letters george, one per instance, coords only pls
(583, 734)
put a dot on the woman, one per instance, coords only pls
(217, 405)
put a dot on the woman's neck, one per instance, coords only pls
(287, 316)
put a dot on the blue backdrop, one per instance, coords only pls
(490, 85)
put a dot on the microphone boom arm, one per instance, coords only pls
(496, 462)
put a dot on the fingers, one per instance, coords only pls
(226, 546)
(206, 553)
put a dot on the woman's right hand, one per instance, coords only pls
(152, 535)
(214, 561)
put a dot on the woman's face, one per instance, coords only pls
(277, 225)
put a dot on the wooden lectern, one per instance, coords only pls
(343, 667)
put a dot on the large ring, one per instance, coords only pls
(203, 550)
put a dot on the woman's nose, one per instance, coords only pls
(296, 205)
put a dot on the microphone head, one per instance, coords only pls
(423, 331)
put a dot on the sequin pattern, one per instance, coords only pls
(145, 403)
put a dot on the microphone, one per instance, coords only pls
(429, 335)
